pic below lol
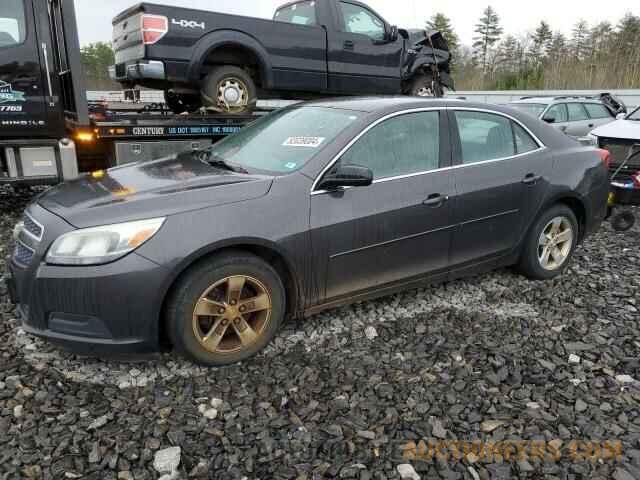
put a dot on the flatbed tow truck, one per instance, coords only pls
(48, 131)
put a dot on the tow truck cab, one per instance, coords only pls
(39, 95)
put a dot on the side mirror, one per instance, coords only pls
(621, 116)
(393, 34)
(549, 119)
(347, 176)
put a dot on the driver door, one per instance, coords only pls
(362, 58)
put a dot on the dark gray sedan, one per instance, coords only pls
(311, 207)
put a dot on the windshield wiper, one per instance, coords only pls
(221, 163)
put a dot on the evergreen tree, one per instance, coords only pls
(488, 32)
(541, 43)
(580, 40)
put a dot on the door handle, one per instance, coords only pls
(563, 129)
(48, 73)
(436, 200)
(349, 45)
(531, 179)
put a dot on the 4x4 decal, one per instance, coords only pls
(7, 94)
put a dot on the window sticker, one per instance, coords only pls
(291, 165)
(309, 142)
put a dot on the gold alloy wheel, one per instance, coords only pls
(555, 243)
(233, 95)
(232, 314)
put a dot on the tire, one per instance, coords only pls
(531, 264)
(224, 84)
(188, 328)
(623, 222)
(179, 103)
(424, 86)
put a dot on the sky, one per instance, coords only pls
(518, 17)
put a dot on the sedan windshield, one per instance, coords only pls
(534, 109)
(283, 141)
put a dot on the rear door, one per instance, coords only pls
(558, 112)
(361, 59)
(501, 177)
(579, 122)
(22, 90)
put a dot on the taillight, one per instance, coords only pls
(605, 156)
(154, 27)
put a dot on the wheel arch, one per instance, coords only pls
(265, 250)
(233, 44)
(577, 206)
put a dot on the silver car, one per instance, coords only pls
(575, 116)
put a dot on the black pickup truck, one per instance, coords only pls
(310, 48)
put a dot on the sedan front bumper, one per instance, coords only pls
(108, 309)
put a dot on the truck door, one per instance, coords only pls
(22, 96)
(361, 59)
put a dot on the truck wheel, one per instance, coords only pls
(226, 310)
(180, 103)
(229, 89)
(424, 86)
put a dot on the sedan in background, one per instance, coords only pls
(311, 207)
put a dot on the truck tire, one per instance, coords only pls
(181, 103)
(229, 89)
(424, 86)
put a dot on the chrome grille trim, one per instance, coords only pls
(32, 227)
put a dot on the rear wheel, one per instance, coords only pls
(227, 310)
(550, 244)
(229, 89)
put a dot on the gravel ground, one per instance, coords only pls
(492, 358)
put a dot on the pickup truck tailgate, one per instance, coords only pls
(127, 38)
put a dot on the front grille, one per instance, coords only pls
(22, 254)
(619, 149)
(32, 227)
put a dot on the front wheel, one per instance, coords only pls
(425, 86)
(550, 244)
(229, 89)
(226, 310)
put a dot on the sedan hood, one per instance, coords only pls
(626, 129)
(148, 190)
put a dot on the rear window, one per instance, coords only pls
(534, 109)
(597, 110)
(12, 23)
(301, 13)
(285, 140)
(577, 112)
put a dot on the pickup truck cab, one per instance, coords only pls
(310, 48)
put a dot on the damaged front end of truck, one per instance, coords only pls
(427, 65)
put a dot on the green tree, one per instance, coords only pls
(541, 43)
(96, 60)
(580, 40)
(442, 24)
(488, 32)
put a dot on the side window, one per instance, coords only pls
(402, 145)
(358, 19)
(559, 112)
(484, 136)
(301, 13)
(524, 142)
(577, 112)
(12, 23)
(597, 110)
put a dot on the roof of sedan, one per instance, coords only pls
(376, 104)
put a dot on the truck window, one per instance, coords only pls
(12, 23)
(301, 13)
(357, 19)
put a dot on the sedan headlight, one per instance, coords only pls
(100, 245)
